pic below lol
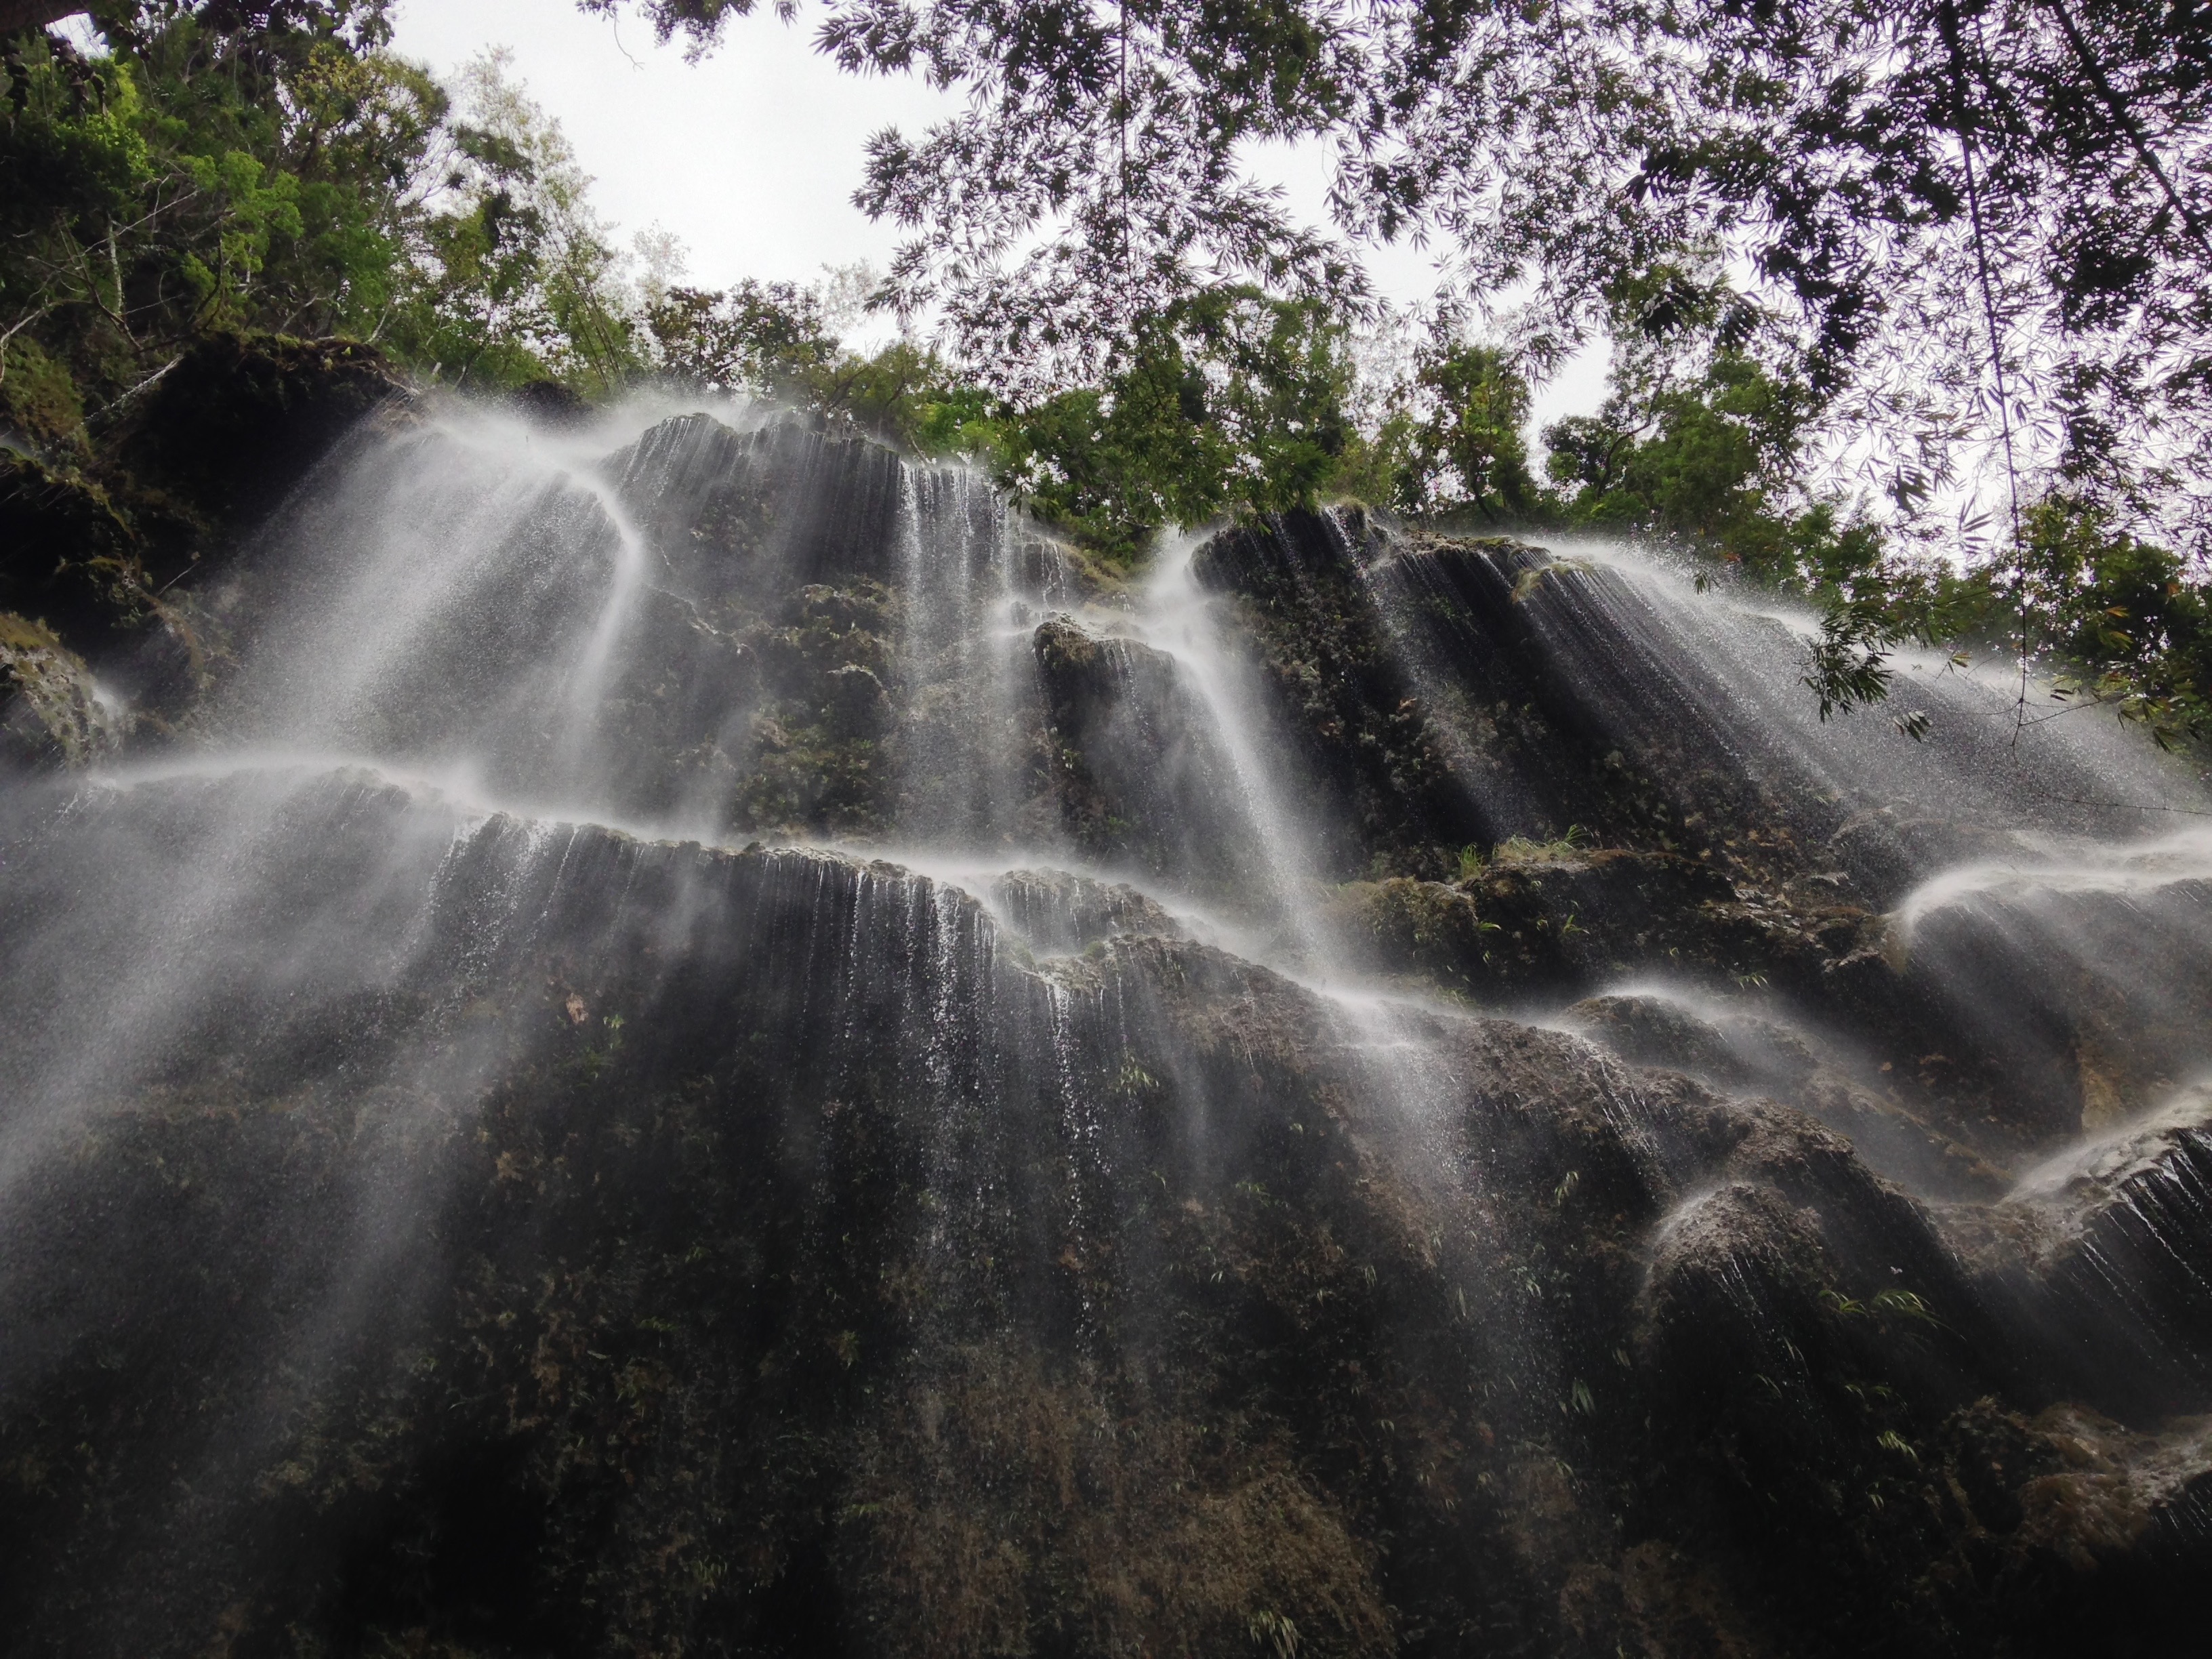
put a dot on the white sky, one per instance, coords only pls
(751, 157)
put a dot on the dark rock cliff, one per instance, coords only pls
(438, 1225)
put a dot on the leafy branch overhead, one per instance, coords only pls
(1970, 239)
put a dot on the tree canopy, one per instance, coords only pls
(1906, 302)
(1955, 253)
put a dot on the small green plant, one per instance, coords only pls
(1133, 1079)
(1891, 1440)
(1273, 1631)
(1519, 849)
(1904, 1304)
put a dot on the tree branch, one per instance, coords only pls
(2116, 107)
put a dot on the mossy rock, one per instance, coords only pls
(40, 401)
(69, 556)
(230, 427)
(237, 420)
(58, 715)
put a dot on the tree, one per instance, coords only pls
(1469, 451)
(272, 167)
(201, 177)
(1869, 163)
(1978, 236)
(517, 275)
(1229, 400)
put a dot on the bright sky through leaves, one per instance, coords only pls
(751, 157)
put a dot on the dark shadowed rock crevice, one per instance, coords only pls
(100, 551)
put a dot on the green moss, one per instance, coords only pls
(57, 688)
(69, 555)
(39, 399)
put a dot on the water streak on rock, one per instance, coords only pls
(709, 1040)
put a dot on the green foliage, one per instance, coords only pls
(771, 335)
(1467, 450)
(1695, 461)
(38, 397)
(1520, 849)
(2129, 619)
(274, 169)
(202, 179)
(1227, 401)
(516, 279)
(2109, 618)
(783, 341)
(1699, 442)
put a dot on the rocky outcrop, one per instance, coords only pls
(2101, 1250)
(1366, 747)
(1140, 779)
(805, 1270)
(440, 1225)
(99, 552)
(58, 715)
(1055, 912)
(234, 423)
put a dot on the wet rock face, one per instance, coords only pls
(771, 559)
(1366, 744)
(92, 545)
(59, 717)
(704, 1282)
(239, 420)
(1139, 780)
(769, 1289)
(1743, 1050)
(1639, 791)
(2095, 988)
(436, 1222)
(1546, 919)
(1652, 1031)
(2101, 1249)
(780, 506)
(68, 562)
(1054, 912)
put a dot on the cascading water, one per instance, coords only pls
(705, 1042)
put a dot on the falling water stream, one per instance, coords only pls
(705, 757)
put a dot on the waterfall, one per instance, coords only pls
(709, 1040)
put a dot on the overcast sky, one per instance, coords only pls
(751, 157)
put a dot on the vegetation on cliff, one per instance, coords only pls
(1927, 253)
